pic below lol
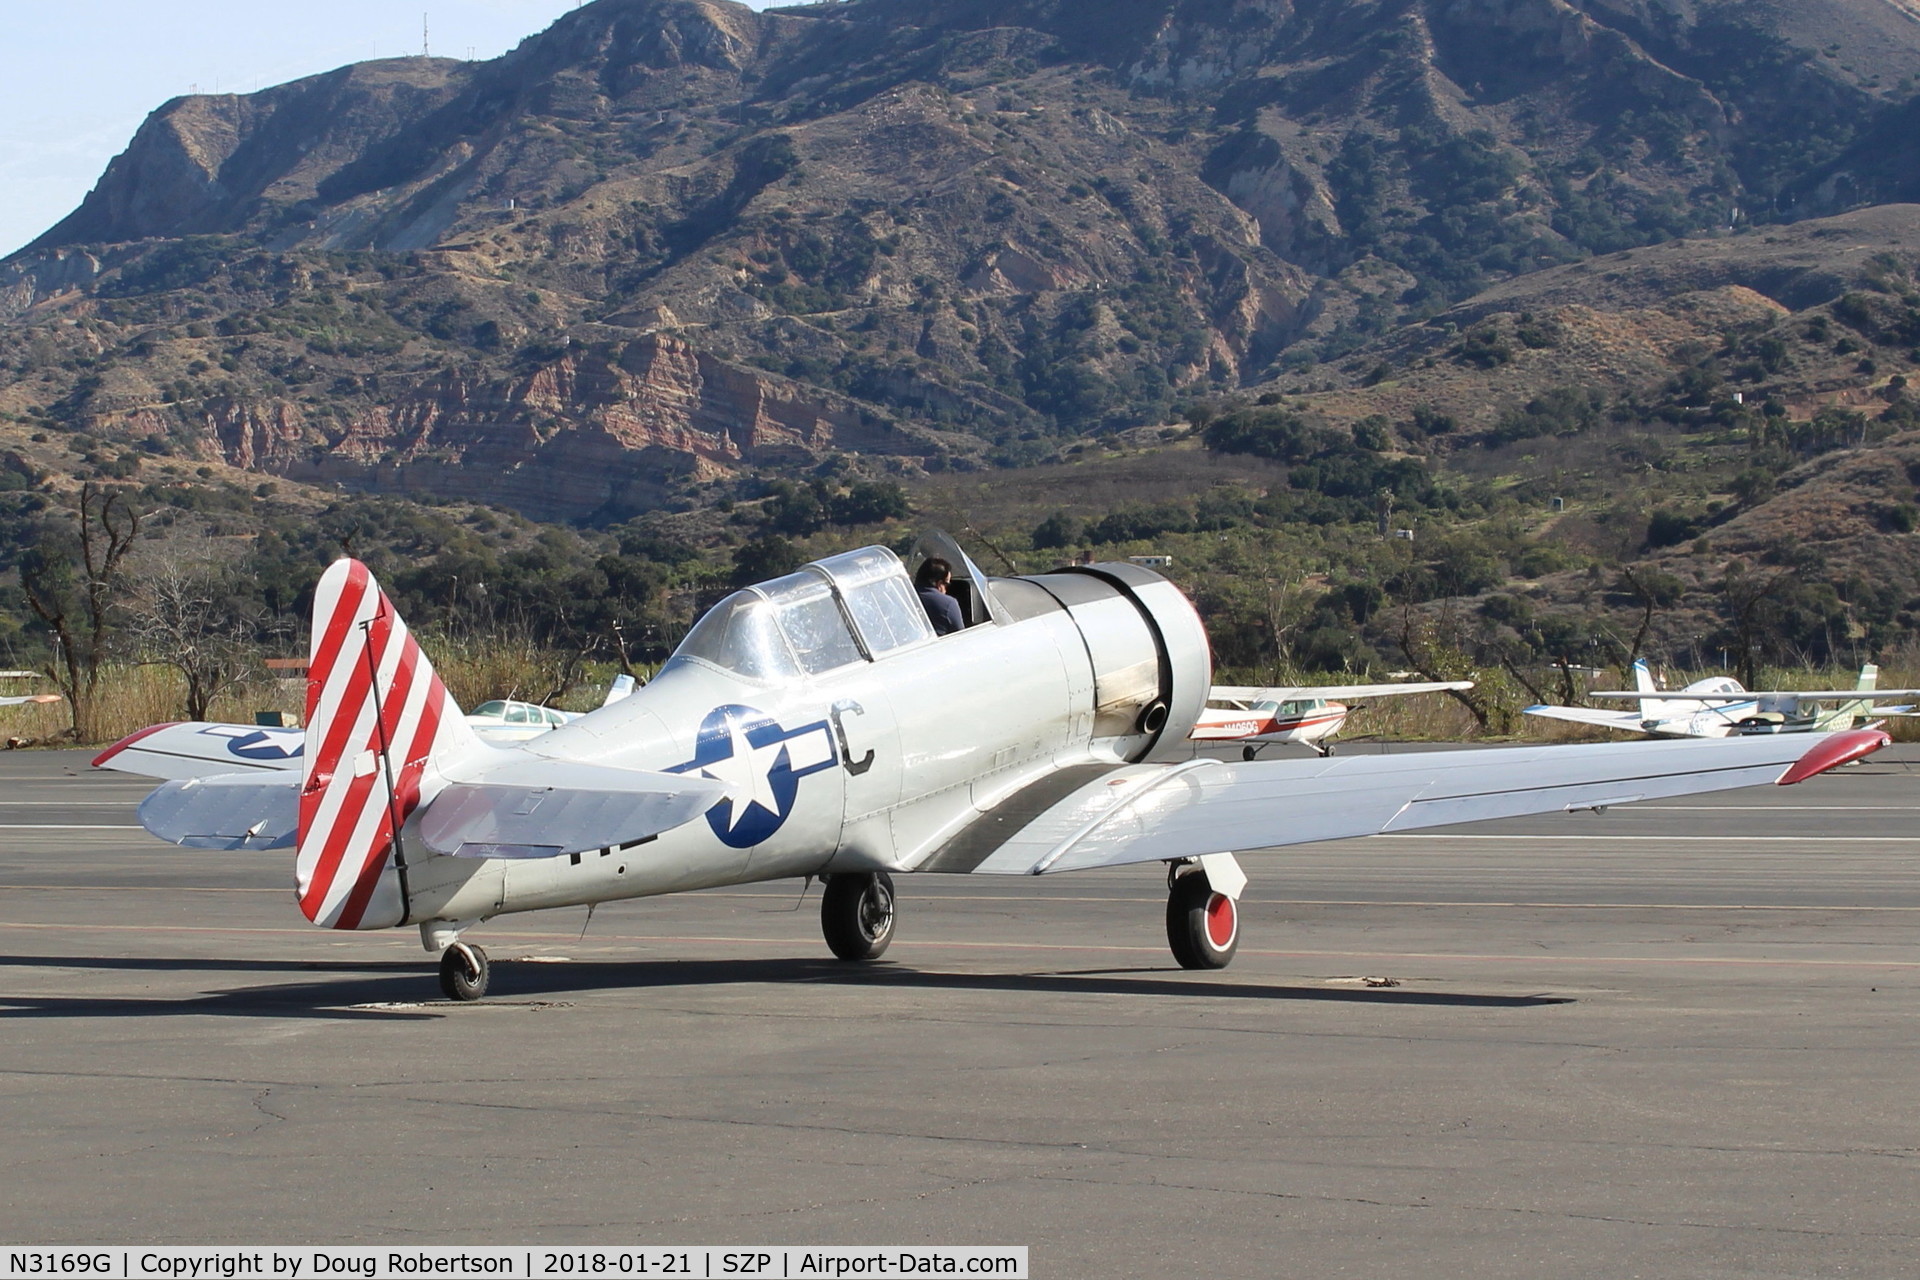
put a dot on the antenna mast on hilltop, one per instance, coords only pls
(423, 37)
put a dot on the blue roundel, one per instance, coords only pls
(761, 762)
(261, 745)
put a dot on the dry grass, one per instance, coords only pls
(131, 697)
(479, 669)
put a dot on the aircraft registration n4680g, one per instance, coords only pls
(816, 726)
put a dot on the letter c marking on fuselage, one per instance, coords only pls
(864, 763)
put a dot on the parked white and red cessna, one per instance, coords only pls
(1304, 714)
(815, 726)
(22, 699)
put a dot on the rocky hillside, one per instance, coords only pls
(665, 240)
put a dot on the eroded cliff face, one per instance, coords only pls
(998, 218)
(591, 433)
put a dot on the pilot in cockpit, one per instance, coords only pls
(935, 576)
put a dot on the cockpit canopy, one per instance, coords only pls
(856, 607)
(501, 711)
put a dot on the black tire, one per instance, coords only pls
(1203, 927)
(1328, 751)
(1249, 753)
(464, 972)
(856, 914)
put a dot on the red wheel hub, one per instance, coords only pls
(1223, 921)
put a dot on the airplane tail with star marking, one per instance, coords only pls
(378, 719)
(393, 774)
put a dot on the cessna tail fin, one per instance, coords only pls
(377, 717)
(620, 690)
(1869, 677)
(1643, 681)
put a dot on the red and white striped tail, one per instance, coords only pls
(363, 658)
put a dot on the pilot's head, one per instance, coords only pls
(935, 573)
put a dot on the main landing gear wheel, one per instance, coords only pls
(1249, 753)
(464, 972)
(1203, 927)
(856, 914)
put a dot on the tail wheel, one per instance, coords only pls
(1203, 927)
(464, 972)
(856, 914)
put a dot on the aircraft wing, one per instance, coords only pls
(1805, 695)
(1629, 720)
(16, 700)
(1287, 693)
(1148, 813)
(196, 749)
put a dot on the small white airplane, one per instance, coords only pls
(504, 720)
(1720, 707)
(23, 699)
(814, 725)
(1307, 714)
(197, 743)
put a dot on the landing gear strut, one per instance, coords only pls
(1203, 926)
(856, 914)
(464, 972)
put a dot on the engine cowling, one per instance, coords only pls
(1151, 664)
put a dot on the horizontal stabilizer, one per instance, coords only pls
(227, 811)
(198, 749)
(1148, 813)
(527, 806)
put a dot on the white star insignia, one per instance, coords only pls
(744, 772)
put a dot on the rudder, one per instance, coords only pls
(364, 772)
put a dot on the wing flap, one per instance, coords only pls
(226, 811)
(1150, 813)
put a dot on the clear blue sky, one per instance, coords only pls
(81, 75)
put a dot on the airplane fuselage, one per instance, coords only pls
(868, 763)
(1300, 722)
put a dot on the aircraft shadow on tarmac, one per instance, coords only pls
(401, 989)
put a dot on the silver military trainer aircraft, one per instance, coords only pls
(815, 726)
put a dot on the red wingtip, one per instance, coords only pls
(100, 760)
(1833, 750)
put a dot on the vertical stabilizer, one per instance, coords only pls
(1869, 677)
(1643, 677)
(377, 718)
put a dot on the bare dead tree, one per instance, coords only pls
(568, 674)
(1747, 596)
(182, 613)
(1438, 648)
(1652, 591)
(71, 577)
(1288, 605)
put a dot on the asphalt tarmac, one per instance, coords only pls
(1670, 1040)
